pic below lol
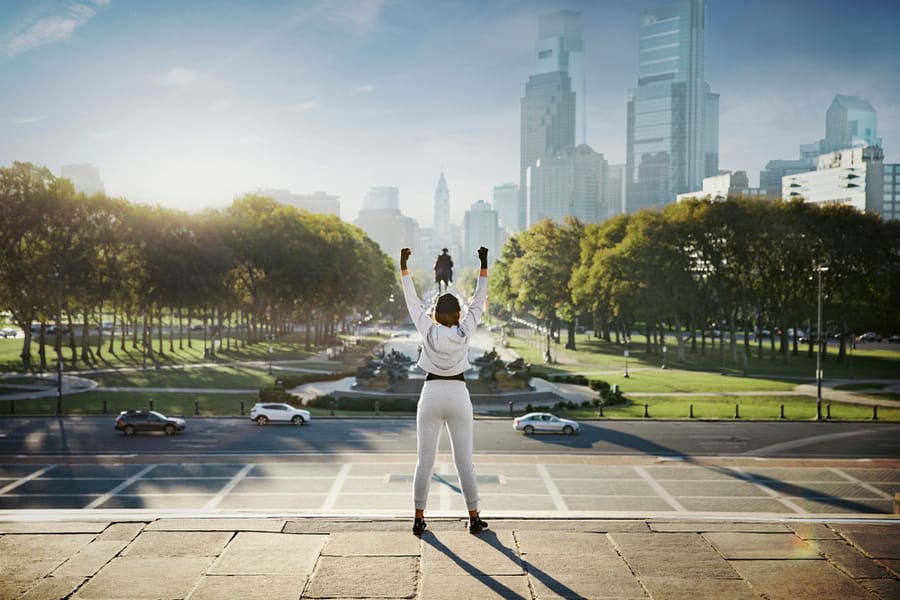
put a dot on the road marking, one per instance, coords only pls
(669, 498)
(793, 444)
(767, 490)
(25, 479)
(336, 487)
(557, 498)
(214, 502)
(866, 486)
(108, 495)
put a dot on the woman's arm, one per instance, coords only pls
(476, 304)
(417, 311)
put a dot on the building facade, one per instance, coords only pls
(550, 113)
(317, 202)
(891, 202)
(442, 208)
(506, 203)
(672, 128)
(480, 228)
(382, 221)
(853, 176)
(568, 184)
(85, 178)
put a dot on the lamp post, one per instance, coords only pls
(58, 344)
(821, 269)
(270, 353)
(626, 361)
(664, 355)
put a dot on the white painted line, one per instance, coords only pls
(767, 490)
(818, 439)
(660, 490)
(105, 497)
(866, 486)
(557, 498)
(336, 487)
(25, 479)
(214, 502)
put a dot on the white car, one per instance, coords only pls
(263, 412)
(544, 422)
(8, 332)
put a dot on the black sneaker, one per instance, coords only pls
(476, 525)
(419, 526)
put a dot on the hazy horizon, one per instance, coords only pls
(187, 104)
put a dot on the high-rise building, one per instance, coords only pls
(382, 221)
(775, 170)
(672, 132)
(850, 122)
(506, 203)
(569, 184)
(442, 208)
(85, 178)
(553, 114)
(480, 228)
(317, 202)
(891, 207)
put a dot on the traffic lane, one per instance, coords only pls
(96, 435)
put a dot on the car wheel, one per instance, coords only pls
(261, 420)
(170, 429)
(568, 430)
(129, 430)
(529, 430)
(297, 420)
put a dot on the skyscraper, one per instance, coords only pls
(672, 134)
(850, 122)
(551, 118)
(442, 209)
(85, 178)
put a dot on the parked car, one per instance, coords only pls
(869, 336)
(8, 332)
(544, 422)
(894, 338)
(263, 412)
(134, 421)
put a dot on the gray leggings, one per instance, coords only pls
(445, 401)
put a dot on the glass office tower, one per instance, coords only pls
(553, 105)
(672, 136)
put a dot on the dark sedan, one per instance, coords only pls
(134, 421)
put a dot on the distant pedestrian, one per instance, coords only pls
(445, 398)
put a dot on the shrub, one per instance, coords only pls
(274, 394)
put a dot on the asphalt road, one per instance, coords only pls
(89, 436)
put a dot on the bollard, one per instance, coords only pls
(196, 408)
(827, 411)
(646, 411)
(510, 408)
(691, 411)
(782, 411)
(737, 411)
(897, 504)
(601, 409)
(242, 408)
(12, 407)
(151, 403)
(377, 407)
(874, 412)
(331, 407)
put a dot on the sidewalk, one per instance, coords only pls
(297, 557)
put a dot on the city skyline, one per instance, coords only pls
(187, 104)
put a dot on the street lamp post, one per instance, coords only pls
(58, 344)
(664, 355)
(821, 269)
(626, 361)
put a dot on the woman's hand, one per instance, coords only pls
(404, 256)
(482, 256)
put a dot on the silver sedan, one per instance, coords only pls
(544, 422)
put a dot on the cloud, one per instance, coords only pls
(180, 77)
(27, 120)
(308, 105)
(56, 28)
(363, 89)
(361, 15)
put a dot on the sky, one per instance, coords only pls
(189, 103)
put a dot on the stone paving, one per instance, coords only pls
(275, 558)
